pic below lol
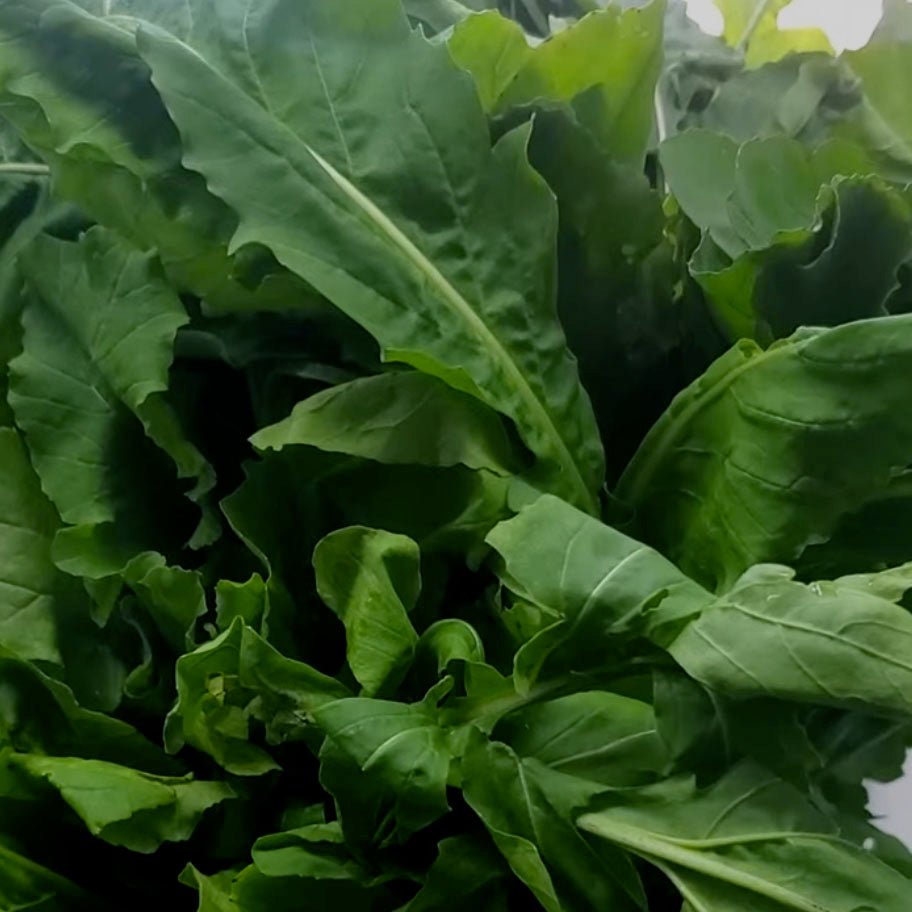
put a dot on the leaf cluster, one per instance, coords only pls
(454, 455)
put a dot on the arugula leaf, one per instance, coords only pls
(595, 735)
(723, 848)
(397, 417)
(466, 875)
(131, 179)
(767, 451)
(527, 814)
(27, 885)
(828, 642)
(409, 650)
(233, 679)
(489, 327)
(398, 748)
(123, 806)
(87, 388)
(371, 580)
(44, 613)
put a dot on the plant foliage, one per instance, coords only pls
(455, 455)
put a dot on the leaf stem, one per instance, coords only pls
(656, 848)
(34, 169)
(761, 7)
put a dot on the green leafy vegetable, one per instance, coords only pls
(454, 455)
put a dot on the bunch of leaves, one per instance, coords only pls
(455, 455)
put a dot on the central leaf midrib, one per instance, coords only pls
(654, 845)
(461, 307)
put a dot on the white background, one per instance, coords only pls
(848, 23)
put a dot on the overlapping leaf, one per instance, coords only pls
(473, 304)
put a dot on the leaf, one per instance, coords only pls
(126, 807)
(605, 66)
(370, 579)
(214, 891)
(40, 714)
(800, 95)
(483, 297)
(768, 450)
(788, 224)
(750, 838)
(602, 737)
(26, 209)
(398, 748)
(87, 388)
(316, 851)
(400, 417)
(25, 884)
(804, 280)
(603, 585)
(173, 596)
(822, 643)
(882, 66)
(617, 322)
(752, 26)
(109, 142)
(466, 876)
(493, 49)
(768, 636)
(43, 612)
(226, 683)
(247, 601)
(255, 892)
(448, 640)
(34, 590)
(527, 815)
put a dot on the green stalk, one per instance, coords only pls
(761, 7)
(25, 168)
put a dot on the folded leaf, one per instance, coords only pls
(87, 388)
(766, 452)
(110, 144)
(371, 580)
(44, 614)
(749, 838)
(27, 885)
(400, 417)
(126, 807)
(601, 583)
(527, 814)
(400, 749)
(228, 682)
(473, 304)
(822, 643)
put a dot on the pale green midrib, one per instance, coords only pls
(34, 169)
(760, 8)
(648, 844)
(632, 490)
(463, 309)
